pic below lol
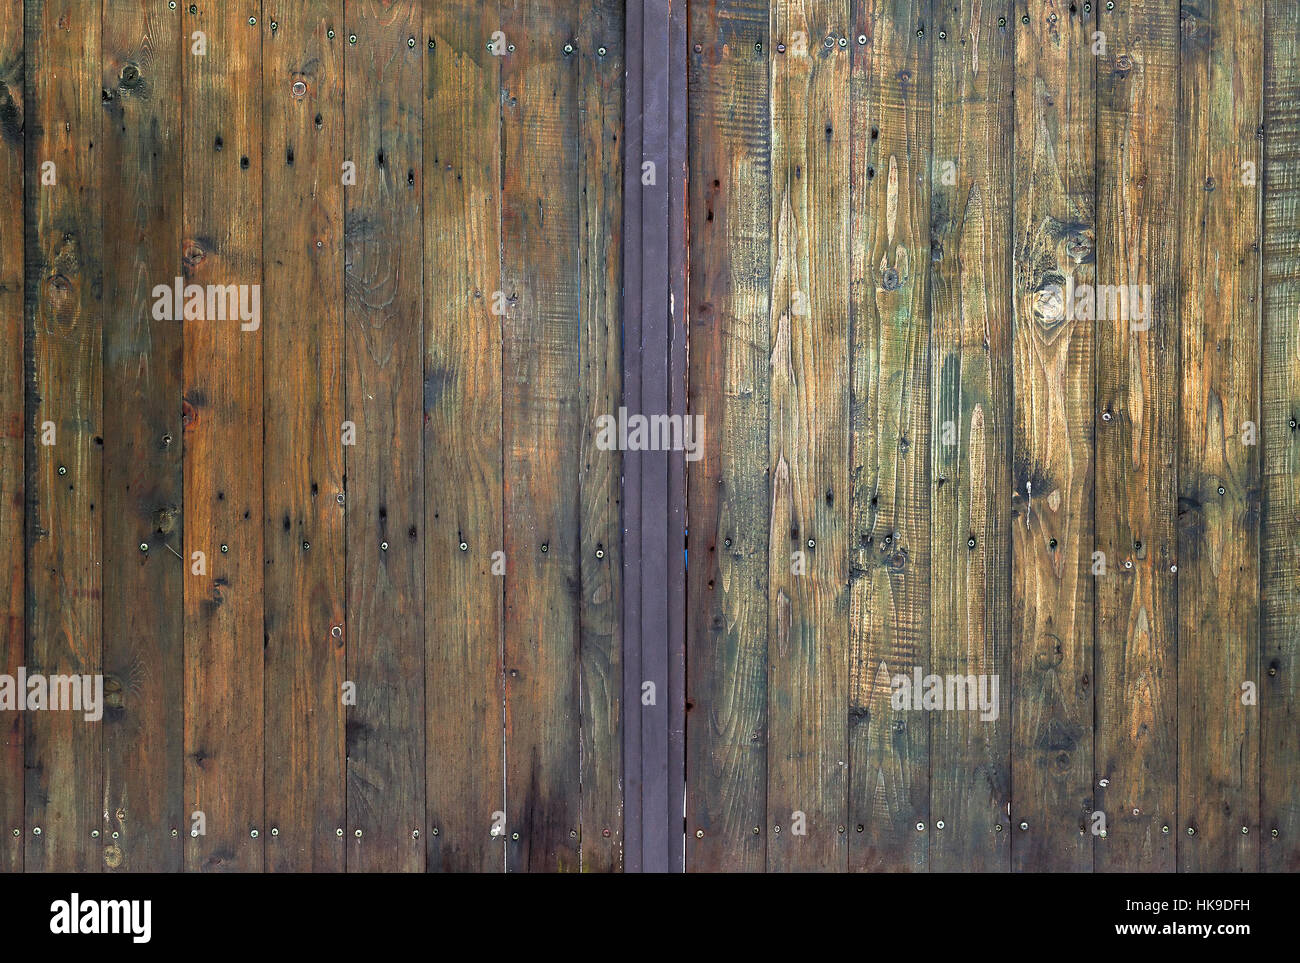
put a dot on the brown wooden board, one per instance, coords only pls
(303, 121)
(223, 431)
(1219, 460)
(144, 573)
(1137, 403)
(889, 454)
(1054, 247)
(541, 427)
(970, 433)
(808, 440)
(600, 42)
(12, 425)
(1279, 817)
(728, 487)
(462, 429)
(64, 478)
(383, 315)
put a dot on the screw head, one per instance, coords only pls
(144, 546)
(1173, 568)
(383, 546)
(1165, 830)
(510, 47)
(1191, 830)
(1273, 833)
(464, 546)
(330, 34)
(18, 832)
(410, 41)
(844, 41)
(274, 26)
(830, 41)
(194, 8)
(1024, 825)
(306, 546)
(275, 831)
(175, 832)
(1222, 490)
(338, 832)
(1245, 830)
(943, 34)
(299, 88)
(545, 547)
(920, 827)
(776, 829)
(171, 5)
(225, 549)
(352, 38)
(36, 831)
(415, 834)
(1128, 563)
(997, 828)
(337, 631)
(600, 553)
(1105, 416)
(812, 543)
(435, 830)
(568, 48)
(357, 833)
(252, 21)
(63, 470)
(970, 542)
(600, 51)
(862, 39)
(94, 834)
(514, 835)
(252, 833)
(939, 824)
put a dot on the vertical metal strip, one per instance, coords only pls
(654, 366)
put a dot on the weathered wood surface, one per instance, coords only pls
(1071, 423)
(324, 686)
(144, 577)
(13, 432)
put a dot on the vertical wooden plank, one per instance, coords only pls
(383, 239)
(1218, 471)
(144, 630)
(1136, 438)
(541, 426)
(1054, 245)
(600, 561)
(889, 607)
(12, 420)
(728, 487)
(222, 246)
(64, 482)
(970, 441)
(1279, 760)
(808, 442)
(302, 84)
(462, 427)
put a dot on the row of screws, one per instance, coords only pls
(1024, 826)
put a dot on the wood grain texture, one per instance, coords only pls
(808, 444)
(383, 317)
(1219, 481)
(144, 574)
(223, 430)
(1279, 817)
(12, 422)
(889, 457)
(462, 412)
(303, 355)
(970, 434)
(64, 480)
(600, 559)
(542, 422)
(730, 389)
(1054, 245)
(1136, 438)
